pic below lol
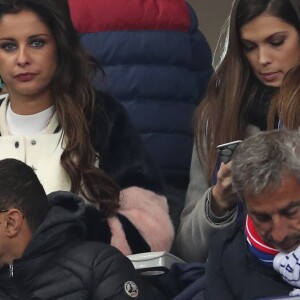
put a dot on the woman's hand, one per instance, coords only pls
(223, 195)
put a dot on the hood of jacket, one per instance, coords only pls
(62, 223)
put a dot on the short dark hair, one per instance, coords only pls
(20, 188)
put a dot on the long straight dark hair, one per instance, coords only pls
(74, 102)
(222, 115)
(286, 103)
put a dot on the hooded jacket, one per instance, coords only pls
(59, 264)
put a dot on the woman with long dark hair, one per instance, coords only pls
(262, 45)
(76, 138)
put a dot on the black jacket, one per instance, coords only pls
(58, 264)
(143, 210)
(233, 273)
(122, 153)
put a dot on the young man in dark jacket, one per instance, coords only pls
(42, 249)
(266, 175)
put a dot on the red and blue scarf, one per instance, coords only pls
(263, 251)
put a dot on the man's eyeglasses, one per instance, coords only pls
(3, 210)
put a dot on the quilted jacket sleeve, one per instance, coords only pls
(143, 221)
(114, 278)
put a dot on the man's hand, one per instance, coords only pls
(288, 265)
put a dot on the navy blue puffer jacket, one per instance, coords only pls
(157, 64)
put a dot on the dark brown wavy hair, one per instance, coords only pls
(74, 102)
(222, 115)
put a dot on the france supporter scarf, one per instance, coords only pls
(263, 251)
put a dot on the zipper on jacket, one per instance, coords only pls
(11, 271)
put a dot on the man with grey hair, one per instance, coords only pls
(266, 175)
